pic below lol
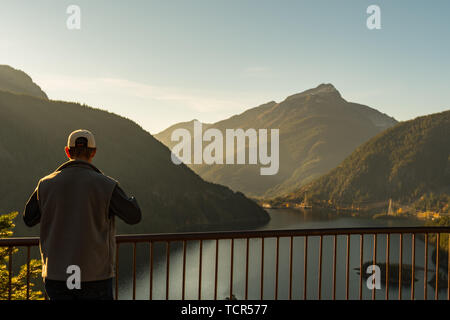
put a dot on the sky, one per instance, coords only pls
(162, 62)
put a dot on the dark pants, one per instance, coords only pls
(90, 290)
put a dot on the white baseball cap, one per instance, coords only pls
(81, 134)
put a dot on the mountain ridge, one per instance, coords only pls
(404, 162)
(17, 81)
(323, 88)
(318, 129)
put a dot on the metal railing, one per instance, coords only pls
(306, 234)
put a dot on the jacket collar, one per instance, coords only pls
(78, 163)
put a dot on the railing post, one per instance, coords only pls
(387, 264)
(232, 268)
(305, 270)
(134, 270)
(425, 275)
(347, 268)
(436, 291)
(374, 262)
(277, 267)
(320, 267)
(413, 258)
(246, 268)
(200, 262)
(291, 248)
(167, 269)
(10, 249)
(216, 269)
(117, 271)
(28, 272)
(361, 255)
(151, 271)
(262, 268)
(448, 268)
(183, 289)
(334, 266)
(400, 268)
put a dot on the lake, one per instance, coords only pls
(280, 219)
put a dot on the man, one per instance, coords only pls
(76, 206)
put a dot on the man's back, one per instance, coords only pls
(76, 206)
(76, 228)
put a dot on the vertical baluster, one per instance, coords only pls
(183, 285)
(134, 270)
(320, 267)
(276, 266)
(361, 252)
(151, 270)
(28, 272)
(262, 268)
(246, 267)
(425, 273)
(388, 236)
(436, 291)
(200, 262)
(334, 266)
(400, 267)
(374, 262)
(216, 269)
(413, 262)
(167, 268)
(231, 267)
(448, 269)
(291, 247)
(10, 250)
(117, 271)
(347, 268)
(305, 268)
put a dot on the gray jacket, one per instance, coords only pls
(76, 206)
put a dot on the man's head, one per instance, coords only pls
(81, 146)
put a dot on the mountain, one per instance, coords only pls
(404, 163)
(17, 81)
(33, 133)
(318, 129)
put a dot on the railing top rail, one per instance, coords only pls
(275, 233)
(34, 241)
(23, 241)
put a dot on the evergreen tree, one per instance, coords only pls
(19, 281)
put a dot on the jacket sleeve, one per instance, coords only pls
(124, 207)
(32, 213)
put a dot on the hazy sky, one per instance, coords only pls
(161, 62)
